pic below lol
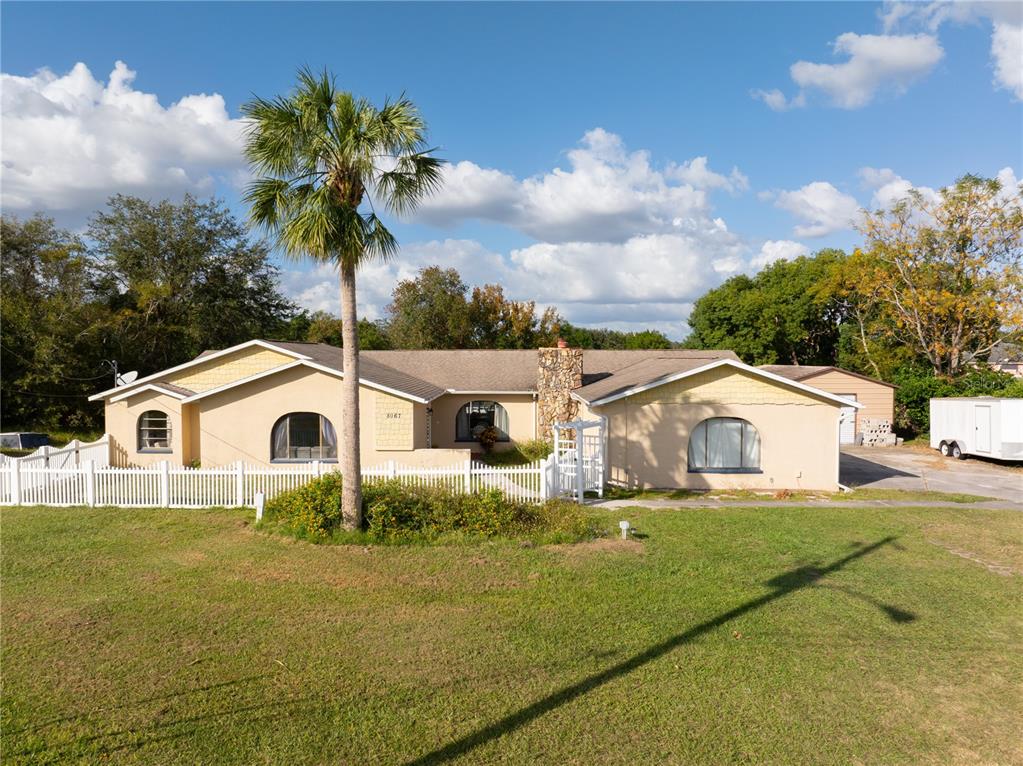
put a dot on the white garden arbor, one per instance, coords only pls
(579, 447)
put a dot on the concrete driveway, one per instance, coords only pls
(912, 468)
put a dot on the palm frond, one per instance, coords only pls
(315, 152)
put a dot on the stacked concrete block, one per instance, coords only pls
(877, 432)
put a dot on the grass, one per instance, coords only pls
(775, 635)
(796, 496)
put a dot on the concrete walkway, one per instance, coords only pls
(993, 505)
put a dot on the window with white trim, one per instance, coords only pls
(724, 445)
(474, 417)
(154, 432)
(300, 437)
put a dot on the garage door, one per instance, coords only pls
(847, 427)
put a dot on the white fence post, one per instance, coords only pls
(90, 483)
(392, 469)
(46, 455)
(239, 483)
(468, 476)
(164, 484)
(15, 482)
(317, 468)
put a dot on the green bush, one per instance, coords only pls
(310, 512)
(535, 449)
(395, 513)
(917, 387)
(521, 453)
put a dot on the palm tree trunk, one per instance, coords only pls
(351, 468)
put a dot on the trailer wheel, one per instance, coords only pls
(944, 449)
(957, 452)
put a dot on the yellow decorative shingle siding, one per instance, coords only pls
(722, 385)
(228, 369)
(393, 423)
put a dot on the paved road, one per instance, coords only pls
(911, 468)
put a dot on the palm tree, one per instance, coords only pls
(321, 157)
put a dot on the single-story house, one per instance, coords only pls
(673, 418)
(876, 396)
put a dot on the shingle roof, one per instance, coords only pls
(371, 368)
(801, 372)
(171, 387)
(647, 372)
(428, 374)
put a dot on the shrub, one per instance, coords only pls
(395, 513)
(918, 387)
(488, 437)
(535, 449)
(520, 453)
(310, 512)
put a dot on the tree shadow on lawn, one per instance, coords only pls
(782, 585)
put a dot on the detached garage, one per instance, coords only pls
(877, 398)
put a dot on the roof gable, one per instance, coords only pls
(656, 377)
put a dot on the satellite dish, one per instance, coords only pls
(128, 377)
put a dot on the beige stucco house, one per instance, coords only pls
(673, 418)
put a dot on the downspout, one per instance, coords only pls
(838, 455)
(536, 415)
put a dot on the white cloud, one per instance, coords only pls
(71, 141)
(889, 188)
(1006, 20)
(822, 208)
(1007, 57)
(656, 268)
(607, 194)
(696, 173)
(777, 100)
(875, 63)
(776, 250)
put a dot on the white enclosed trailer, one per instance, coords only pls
(985, 426)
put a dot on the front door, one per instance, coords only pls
(847, 424)
(982, 416)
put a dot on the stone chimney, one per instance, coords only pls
(560, 372)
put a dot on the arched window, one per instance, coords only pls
(476, 416)
(154, 431)
(724, 445)
(302, 436)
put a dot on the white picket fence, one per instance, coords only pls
(165, 486)
(72, 455)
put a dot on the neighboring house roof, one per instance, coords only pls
(652, 374)
(1004, 352)
(805, 371)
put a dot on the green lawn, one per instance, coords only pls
(792, 496)
(773, 635)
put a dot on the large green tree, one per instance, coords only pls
(324, 160)
(781, 315)
(430, 311)
(943, 275)
(178, 278)
(50, 348)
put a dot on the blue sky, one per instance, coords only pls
(614, 159)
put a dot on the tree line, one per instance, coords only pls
(936, 284)
(151, 285)
(935, 288)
